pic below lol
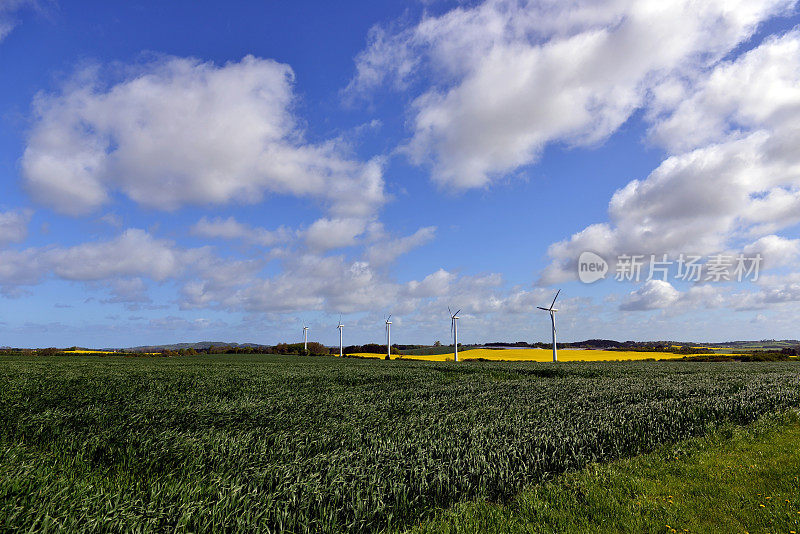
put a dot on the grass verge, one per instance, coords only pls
(735, 479)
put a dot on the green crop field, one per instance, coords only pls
(302, 444)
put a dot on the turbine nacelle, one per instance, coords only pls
(551, 309)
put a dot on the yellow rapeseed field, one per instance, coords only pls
(538, 355)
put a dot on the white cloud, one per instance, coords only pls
(506, 77)
(125, 265)
(326, 234)
(5, 28)
(653, 294)
(754, 91)
(178, 132)
(133, 253)
(776, 251)
(743, 185)
(334, 283)
(773, 290)
(111, 219)
(769, 297)
(769, 292)
(786, 293)
(230, 228)
(7, 19)
(706, 296)
(436, 284)
(307, 282)
(20, 268)
(14, 225)
(386, 250)
(130, 291)
(172, 323)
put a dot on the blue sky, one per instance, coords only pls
(187, 171)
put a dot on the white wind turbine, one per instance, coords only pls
(389, 337)
(553, 320)
(305, 338)
(340, 335)
(454, 331)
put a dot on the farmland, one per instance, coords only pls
(328, 445)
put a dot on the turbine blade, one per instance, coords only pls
(456, 313)
(554, 299)
(449, 312)
(545, 309)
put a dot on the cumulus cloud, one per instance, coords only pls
(506, 77)
(134, 253)
(131, 255)
(334, 283)
(742, 186)
(230, 228)
(777, 251)
(326, 234)
(14, 225)
(179, 131)
(772, 290)
(754, 91)
(386, 249)
(126, 265)
(436, 284)
(307, 282)
(20, 268)
(653, 294)
(129, 291)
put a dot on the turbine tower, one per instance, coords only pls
(389, 337)
(454, 331)
(340, 335)
(553, 320)
(305, 338)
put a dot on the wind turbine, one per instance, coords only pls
(389, 337)
(454, 331)
(340, 335)
(553, 320)
(305, 338)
